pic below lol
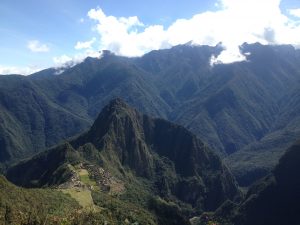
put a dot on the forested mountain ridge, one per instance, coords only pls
(245, 110)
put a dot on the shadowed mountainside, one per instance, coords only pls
(272, 200)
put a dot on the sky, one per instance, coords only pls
(37, 34)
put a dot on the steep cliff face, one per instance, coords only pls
(273, 200)
(175, 159)
(176, 165)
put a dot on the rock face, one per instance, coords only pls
(273, 200)
(175, 163)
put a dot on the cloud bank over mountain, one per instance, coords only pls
(233, 23)
(229, 22)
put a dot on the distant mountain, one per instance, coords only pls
(245, 111)
(30, 120)
(139, 154)
(38, 112)
(272, 200)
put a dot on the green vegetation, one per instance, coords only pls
(121, 211)
(234, 108)
(124, 167)
(85, 178)
(82, 196)
(132, 169)
(20, 206)
(33, 206)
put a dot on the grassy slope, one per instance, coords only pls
(21, 206)
(26, 206)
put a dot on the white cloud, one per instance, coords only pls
(59, 60)
(5, 70)
(234, 22)
(84, 45)
(229, 55)
(69, 61)
(121, 35)
(295, 12)
(36, 46)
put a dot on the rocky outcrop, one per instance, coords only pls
(180, 165)
(275, 199)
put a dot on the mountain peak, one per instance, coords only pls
(106, 53)
(115, 116)
(117, 103)
(115, 107)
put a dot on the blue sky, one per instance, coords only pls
(36, 34)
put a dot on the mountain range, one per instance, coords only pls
(247, 112)
(175, 139)
(135, 159)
